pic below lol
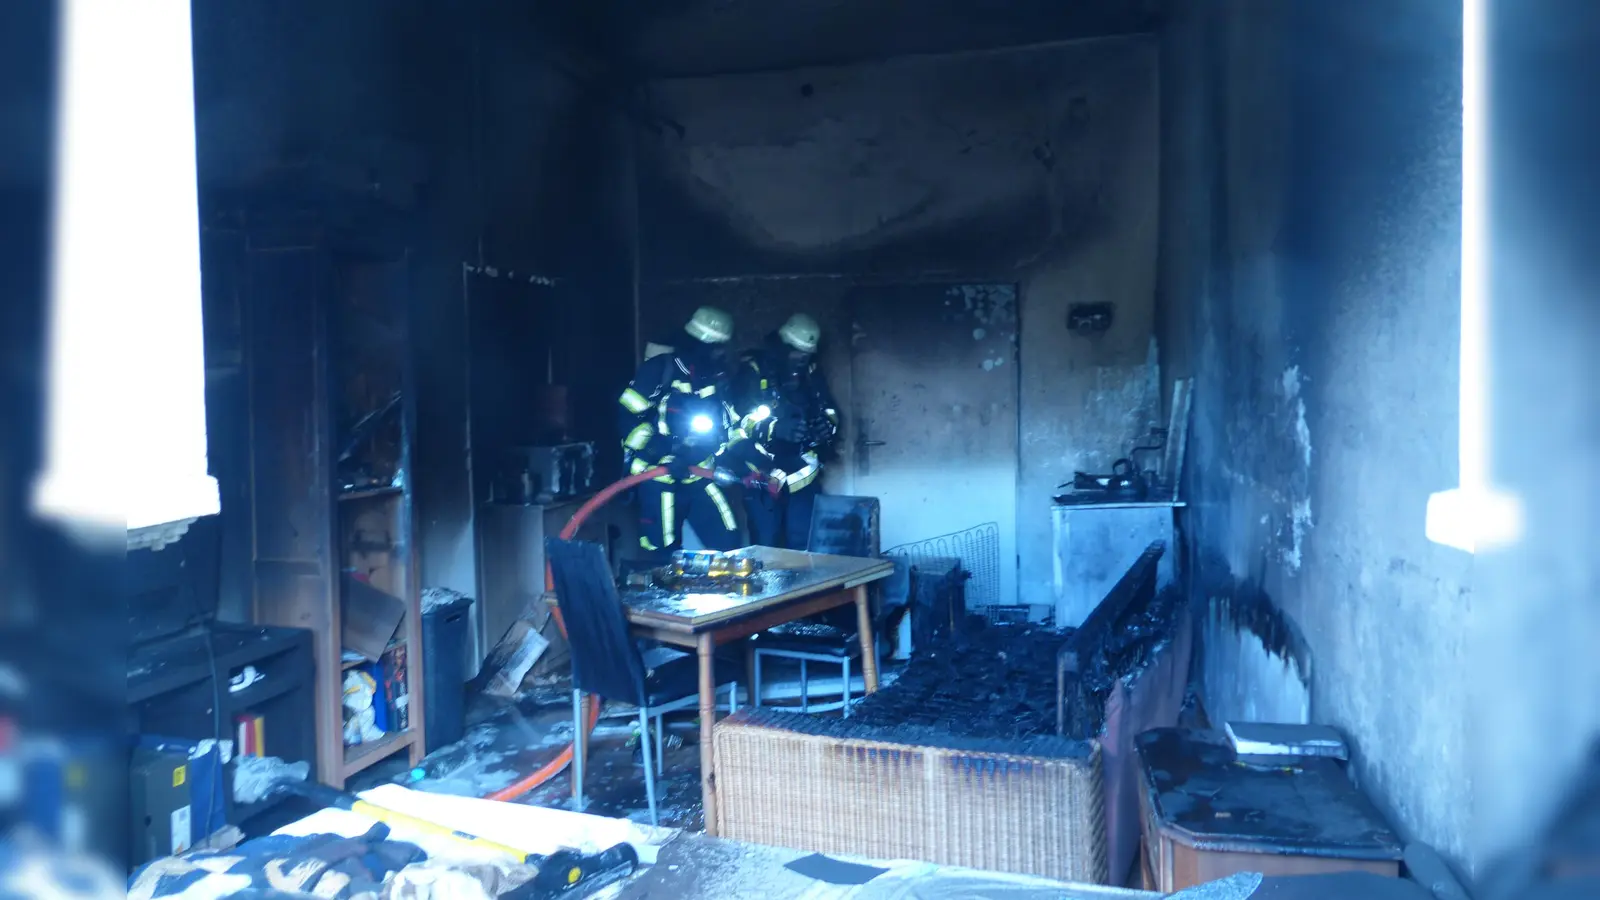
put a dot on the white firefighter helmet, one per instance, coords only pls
(710, 325)
(801, 332)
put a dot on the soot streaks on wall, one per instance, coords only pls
(1310, 254)
(533, 178)
(457, 119)
(1034, 166)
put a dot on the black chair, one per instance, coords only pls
(607, 661)
(831, 638)
(846, 526)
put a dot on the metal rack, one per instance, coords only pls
(978, 550)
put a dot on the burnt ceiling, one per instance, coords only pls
(686, 38)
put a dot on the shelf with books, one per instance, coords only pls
(332, 406)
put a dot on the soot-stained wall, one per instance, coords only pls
(1310, 283)
(292, 107)
(1033, 166)
(518, 156)
(458, 121)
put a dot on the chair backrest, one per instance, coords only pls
(845, 526)
(605, 658)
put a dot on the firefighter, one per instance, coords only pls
(676, 413)
(791, 419)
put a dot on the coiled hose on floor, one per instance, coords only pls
(592, 713)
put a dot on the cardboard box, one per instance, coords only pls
(513, 657)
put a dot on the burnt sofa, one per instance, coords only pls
(971, 758)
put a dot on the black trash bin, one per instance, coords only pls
(445, 620)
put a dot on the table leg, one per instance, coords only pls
(580, 745)
(750, 671)
(869, 644)
(708, 718)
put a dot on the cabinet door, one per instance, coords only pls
(286, 338)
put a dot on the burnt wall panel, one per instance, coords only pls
(298, 96)
(461, 123)
(1035, 167)
(1310, 278)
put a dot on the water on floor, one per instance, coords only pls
(506, 740)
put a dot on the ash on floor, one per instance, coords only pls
(508, 740)
(613, 781)
(505, 741)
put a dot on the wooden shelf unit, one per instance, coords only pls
(177, 687)
(332, 420)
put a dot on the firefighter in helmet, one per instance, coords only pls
(791, 420)
(677, 413)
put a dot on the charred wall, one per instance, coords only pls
(1312, 164)
(1310, 283)
(464, 127)
(1034, 166)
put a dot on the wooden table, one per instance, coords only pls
(794, 585)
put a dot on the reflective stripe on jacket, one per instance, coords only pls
(662, 392)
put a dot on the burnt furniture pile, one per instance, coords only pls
(1257, 797)
(971, 757)
(1125, 671)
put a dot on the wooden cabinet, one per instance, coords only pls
(1208, 813)
(177, 688)
(331, 412)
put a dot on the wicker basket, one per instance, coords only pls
(788, 781)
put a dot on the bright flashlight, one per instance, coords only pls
(701, 424)
(761, 414)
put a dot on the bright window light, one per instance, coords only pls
(126, 435)
(1473, 516)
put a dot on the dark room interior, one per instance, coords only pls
(1138, 425)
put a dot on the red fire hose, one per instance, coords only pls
(564, 758)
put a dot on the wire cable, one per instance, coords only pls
(217, 773)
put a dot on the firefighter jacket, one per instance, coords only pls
(789, 415)
(674, 411)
